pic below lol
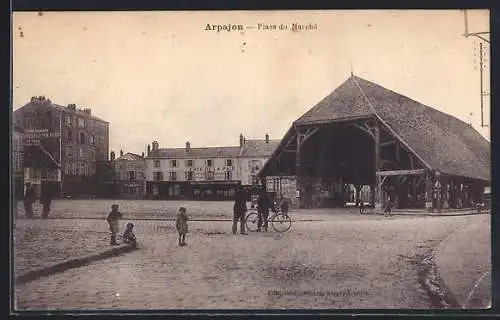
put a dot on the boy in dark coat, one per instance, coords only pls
(113, 220)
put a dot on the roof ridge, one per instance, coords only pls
(366, 97)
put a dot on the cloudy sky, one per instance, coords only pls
(162, 76)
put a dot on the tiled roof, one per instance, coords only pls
(444, 142)
(208, 152)
(129, 156)
(59, 107)
(258, 148)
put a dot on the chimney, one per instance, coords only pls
(142, 155)
(88, 111)
(149, 149)
(188, 146)
(155, 145)
(121, 153)
(241, 140)
(112, 156)
(267, 138)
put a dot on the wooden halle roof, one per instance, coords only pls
(441, 141)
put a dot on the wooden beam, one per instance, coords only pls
(308, 134)
(363, 128)
(400, 172)
(387, 143)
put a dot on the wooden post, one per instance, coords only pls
(376, 160)
(439, 190)
(298, 171)
(428, 192)
(413, 183)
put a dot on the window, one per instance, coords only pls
(82, 138)
(189, 163)
(80, 153)
(173, 163)
(158, 176)
(82, 169)
(228, 175)
(91, 139)
(81, 122)
(157, 163)
(189, 175)
(209, 163)
(172, 176)
(69, 151)
(131, 175)
(209, 175)
(229, 162)
(92, 155)
(70, 135)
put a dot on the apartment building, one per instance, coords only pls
(72, 138)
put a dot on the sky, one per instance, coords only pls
(162, 76)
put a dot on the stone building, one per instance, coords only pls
(209, 173)
(73, 137)
(130, 171)
(362, 134)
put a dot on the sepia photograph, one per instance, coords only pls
(250, 160)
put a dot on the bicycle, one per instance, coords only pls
(281, 222)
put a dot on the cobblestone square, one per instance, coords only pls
(339, 260)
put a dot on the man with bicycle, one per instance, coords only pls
(264, 204)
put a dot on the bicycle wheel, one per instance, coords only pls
(281, 222)
(251, 221)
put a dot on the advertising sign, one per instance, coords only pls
(40, 144)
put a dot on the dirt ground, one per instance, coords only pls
(344, 261)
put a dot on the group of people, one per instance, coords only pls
(30, 196)
(264, 206)
(113, 219)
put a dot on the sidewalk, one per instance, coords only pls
(44, 246)
(464, 263)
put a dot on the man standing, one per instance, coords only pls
(239, 210)
(263, 206)
(29, 199)
(46, 199)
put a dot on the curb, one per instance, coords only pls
(72, 263)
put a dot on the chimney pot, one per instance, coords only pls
(121, 153)
(188, 146)
(267, 138)
(112, 156)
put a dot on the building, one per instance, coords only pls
(209, 173)
(17, 162)
(130, 173)
(254, 153)
(365, 135)
(73, 137)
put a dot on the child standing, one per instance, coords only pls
(181, 225)
(113, 221)
(129, 236)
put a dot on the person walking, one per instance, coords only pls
(361, 207)
(46, 200)
(284, 205)
(29, 199)
(239, 210)
(181, 225)
(387, 210)
(113, 220)
(263, 206)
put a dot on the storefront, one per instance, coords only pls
(195, 190)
